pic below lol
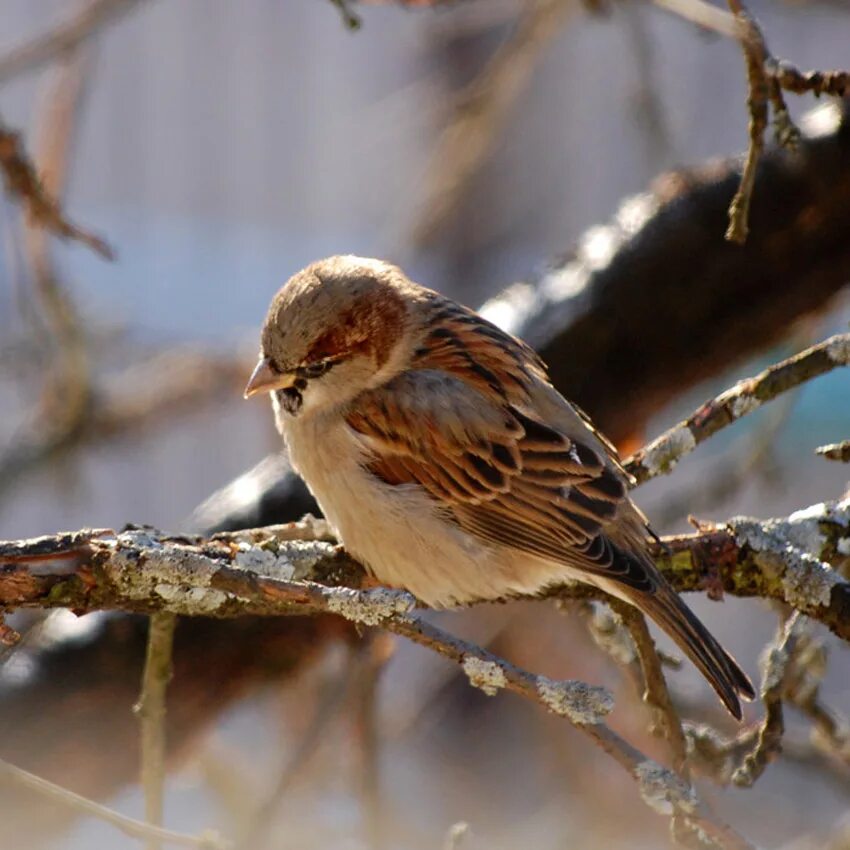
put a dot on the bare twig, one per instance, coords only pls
(790, 78)
(350, 20)
(656, 693)
(65, 37)
(482, 110)
(766, 79)
(66, 395)
(662, 454)
(151, 711)
(778, 663)
(22, 182)
(755, 55)
(836, 451)
(129, 826)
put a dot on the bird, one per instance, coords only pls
(447, 462)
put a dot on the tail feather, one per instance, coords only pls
(634, 577)
(721, 670)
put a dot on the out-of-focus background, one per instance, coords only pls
(221, 146)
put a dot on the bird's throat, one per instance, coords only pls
(290, 400)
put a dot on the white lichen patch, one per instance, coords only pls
(369, 607)
(663, 454)
(807, 582)
(789, 550)
(743, 404)
(662, 790)
(265, 562)
(191, 600)
(838, 349)
(486, 675)
(583, 704)
(288, 561)
(140, 563)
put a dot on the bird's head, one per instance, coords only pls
(335, 329)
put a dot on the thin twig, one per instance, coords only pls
(583, 706)
(767, 78)
(162, 387)
(755, 54)
(656, 693)
(65, 37)
(67, 392)
(662, 454)
(129, 826)
(22, 182)
(778, 668)
(351, 21)
(151, 711)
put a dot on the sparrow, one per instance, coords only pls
(446, 461)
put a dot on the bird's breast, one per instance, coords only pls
(398, 532)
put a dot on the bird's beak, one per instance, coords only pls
(264, 379)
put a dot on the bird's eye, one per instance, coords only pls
(317, 369)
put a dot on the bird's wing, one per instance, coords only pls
(496, 469)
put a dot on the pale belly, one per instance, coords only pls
(397, 532)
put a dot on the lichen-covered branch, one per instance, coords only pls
(295, 569)
(777, 664)
(662, 454)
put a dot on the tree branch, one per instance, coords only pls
(277, 570)
(662, 454)
(293, 569)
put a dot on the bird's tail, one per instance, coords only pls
(668, 610)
